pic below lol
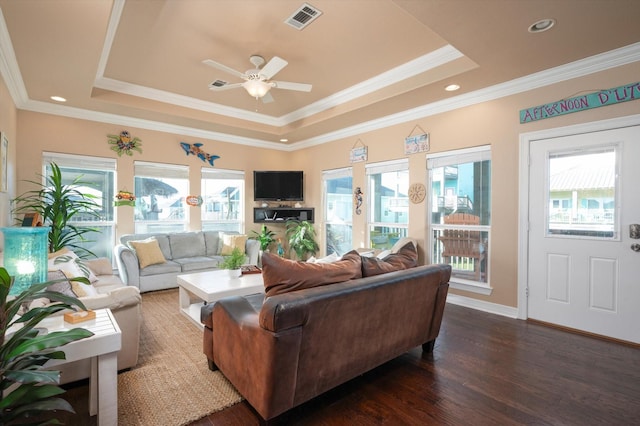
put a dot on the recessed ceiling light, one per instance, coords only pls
(58, 99)
(542, 25)
(452, 88)
(284, 140)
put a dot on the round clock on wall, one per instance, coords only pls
(417, 192)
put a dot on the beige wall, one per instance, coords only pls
(494, 123)
(8, 126)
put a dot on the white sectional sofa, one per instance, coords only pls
(183, 252)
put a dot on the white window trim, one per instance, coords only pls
(448, 158)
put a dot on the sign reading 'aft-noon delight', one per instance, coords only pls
(628, 92)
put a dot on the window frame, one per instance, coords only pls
(330, 175)
(220, 174)
(400, 165)
(90, 163)
(452, 158)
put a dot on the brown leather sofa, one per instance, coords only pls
(284, 350)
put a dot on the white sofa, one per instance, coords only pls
(124, 302)
(183, 252)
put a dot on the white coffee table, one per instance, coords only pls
(103, 349)
(200, 288)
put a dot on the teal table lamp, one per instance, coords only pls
(25, 255)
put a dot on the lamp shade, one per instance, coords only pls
(25, 255)
(256, 88)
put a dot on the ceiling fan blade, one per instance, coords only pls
(224, 68)
(287, 85)
(267, 99)
(273, 67)
(225, 87)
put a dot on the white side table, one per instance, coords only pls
(102, 348)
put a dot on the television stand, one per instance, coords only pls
(282, 214)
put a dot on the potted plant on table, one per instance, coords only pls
(59, 205)
(302, 238)
(233, 262)
(27, 389)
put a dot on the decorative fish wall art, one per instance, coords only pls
(198, 152)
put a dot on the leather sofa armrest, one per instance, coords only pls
(128, 266)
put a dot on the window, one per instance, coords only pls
(460, 183)
(388, 202)
(338, 210)
(223, 200)
(586, 180)
(99, 175)
(161, 190)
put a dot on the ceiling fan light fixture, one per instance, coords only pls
(256, 88)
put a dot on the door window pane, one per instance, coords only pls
(338, 196)
(585, 182)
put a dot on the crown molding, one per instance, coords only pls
(597, 63)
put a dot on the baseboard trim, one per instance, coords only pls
(492, 308)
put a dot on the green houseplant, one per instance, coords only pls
(58, 205)
(265, 237)
(27, 389)
(233, 262)
(302, 238)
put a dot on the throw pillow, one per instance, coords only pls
(231, 241)
(148, 252)
(284, 275)
(71, 265)
(63, 287)
(83, 290)
(405, 258)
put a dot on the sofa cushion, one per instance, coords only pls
(196, 263)
(148, 252)
(70, 264)
(161, 268)
(187, 244)
(83, 290)
(284, 275)
(405, 258)
(231, 241)
(211, 241)
(163, 242)
(63, 287)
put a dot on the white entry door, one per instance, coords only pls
(583, 271)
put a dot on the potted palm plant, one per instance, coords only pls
(233, 262)
(59, 205)
(27, 389)
(265, 237)
(302, 238)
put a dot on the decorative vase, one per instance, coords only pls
(235, 273)
(25, 255)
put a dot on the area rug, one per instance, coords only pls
(171, 385)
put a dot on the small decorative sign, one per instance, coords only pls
(124, 143)
(358, 153)
(616, 95)
(195, 149)
(125, 198)
(416, 143)
(194, 200)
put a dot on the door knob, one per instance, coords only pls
(635, 247)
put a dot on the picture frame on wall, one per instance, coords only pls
(4, 152)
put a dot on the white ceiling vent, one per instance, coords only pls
(302, 17)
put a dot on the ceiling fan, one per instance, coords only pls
(258, 81)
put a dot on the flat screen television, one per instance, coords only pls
(278, 186)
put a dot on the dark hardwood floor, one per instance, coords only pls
(485, 370)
